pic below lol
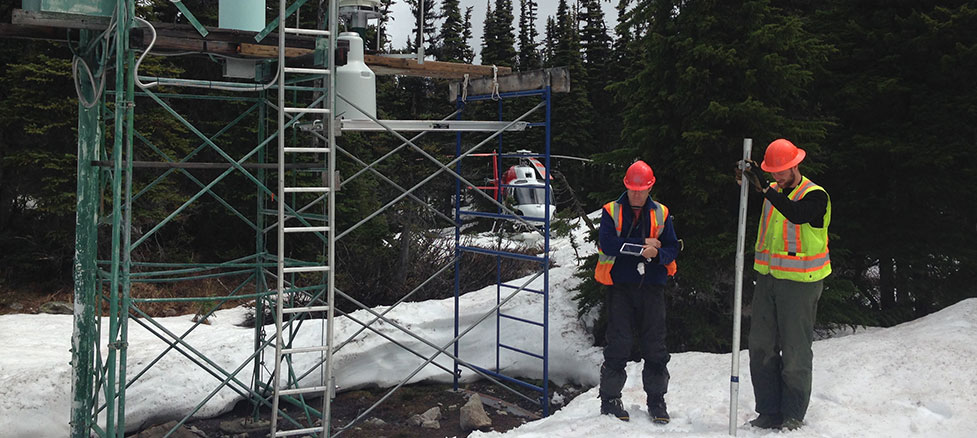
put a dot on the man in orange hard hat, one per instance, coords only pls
(636, 255)
(791, 260)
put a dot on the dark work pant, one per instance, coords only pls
(631, 305)
(781, 333)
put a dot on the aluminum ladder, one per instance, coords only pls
(292, 226)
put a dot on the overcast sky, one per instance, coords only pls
(402, 23)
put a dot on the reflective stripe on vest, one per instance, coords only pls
(789, 251)
(605, 262)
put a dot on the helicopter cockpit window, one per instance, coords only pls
(527, 195)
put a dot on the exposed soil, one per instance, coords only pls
(29, 299)
(390, 418)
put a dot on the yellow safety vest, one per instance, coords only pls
(605, 262)
(789, 251)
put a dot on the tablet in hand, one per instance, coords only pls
(632, 249)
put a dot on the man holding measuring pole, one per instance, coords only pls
(791, 260)
(636, 255)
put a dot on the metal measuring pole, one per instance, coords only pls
(734, 375)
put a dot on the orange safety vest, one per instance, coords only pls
(605, 262)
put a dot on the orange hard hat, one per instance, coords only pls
(639, 176)
(781, 155)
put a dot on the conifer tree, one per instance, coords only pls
(498, 46)
(595, 46)
(453, 45)
(900, 80)
(594, 40)
(430, 30)
(488, 31)
(572, 111)
(37, 162)
(549, 41)
(469, 55)
(624, 49)
(529, 57)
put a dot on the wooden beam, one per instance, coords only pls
(58, 19)
(169, 43)
(557, 78)
(432, 69)
(183, 37)
(8, 30)
(265, 51)
(385, 65)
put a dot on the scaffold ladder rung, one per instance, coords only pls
(296, 269)
(299, 350)
(305, 229)
(291, 109)
(309, 150)
(305, 309)
(306, 70)
(309, 390)
(301, 31)
(306, 216)
(305, 431)
(306, 189)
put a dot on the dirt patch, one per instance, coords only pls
(29, 298)
(391, 418)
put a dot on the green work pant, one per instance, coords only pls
(781, 333)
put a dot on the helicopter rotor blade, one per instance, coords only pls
(571, 158)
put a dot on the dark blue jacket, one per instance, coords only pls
(625, 266)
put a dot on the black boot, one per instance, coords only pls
(767, 421)
(657, 409)
(792, 423)
(614, 407)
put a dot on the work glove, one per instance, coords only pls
(753, 174)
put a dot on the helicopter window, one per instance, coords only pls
(527, 195)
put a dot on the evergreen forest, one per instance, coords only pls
(881, 95)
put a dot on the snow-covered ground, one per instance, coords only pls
(916, 379)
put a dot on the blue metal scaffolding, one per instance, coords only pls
(494, 371)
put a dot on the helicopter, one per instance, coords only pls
(522, 186)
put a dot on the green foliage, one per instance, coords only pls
(901, 141)
(590, 294)
(529, 56)
(573, 115)
(37, 166)
(430, 31)
(455, 33)
(498, 41)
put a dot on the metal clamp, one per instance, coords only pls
(118, 345)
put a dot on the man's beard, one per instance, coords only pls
(790, 183)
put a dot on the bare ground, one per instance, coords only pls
(390, 418)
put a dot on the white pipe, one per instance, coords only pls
(734, 376)
(226, 86)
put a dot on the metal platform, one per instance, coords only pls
(432, 125)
